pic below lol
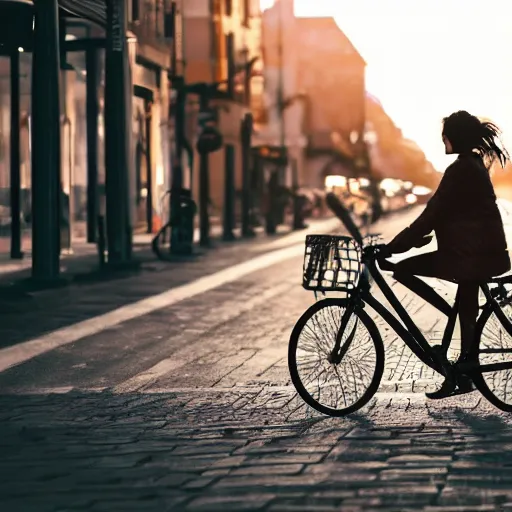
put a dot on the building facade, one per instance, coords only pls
(151, 38)
(222, 44)
(332, 125)
(285, 104)
(321, 76)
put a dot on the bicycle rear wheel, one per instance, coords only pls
(494, 376)
(335, 389)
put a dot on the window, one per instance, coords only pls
(246, 11)
(135, 10)
(229, 7)
(169, 19)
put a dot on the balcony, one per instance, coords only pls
(152, 21)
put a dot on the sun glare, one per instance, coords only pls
(421, 60)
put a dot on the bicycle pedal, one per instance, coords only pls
(462, 391)
(464, 385)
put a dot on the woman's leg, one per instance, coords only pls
(430, 265)
(425, 265)
(468, 314)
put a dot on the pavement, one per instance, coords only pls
(169, 391)
(82, 258)
(28, 314)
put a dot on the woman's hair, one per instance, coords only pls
(467, 133)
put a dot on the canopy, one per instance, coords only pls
(90, 10)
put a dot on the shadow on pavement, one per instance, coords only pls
(179, 451)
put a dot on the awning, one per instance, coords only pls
(90, 10)
(18, 34)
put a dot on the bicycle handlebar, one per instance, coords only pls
(377, 252)
(380, 254)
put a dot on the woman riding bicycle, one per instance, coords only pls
(468, 227)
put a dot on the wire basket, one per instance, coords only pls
(331, 263)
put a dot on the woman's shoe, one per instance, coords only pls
(447, 389)
(451, 387)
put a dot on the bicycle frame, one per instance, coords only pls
(492, 306)
(411, 334)
(434, 356)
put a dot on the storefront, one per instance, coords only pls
(15, 169)
(84, 126)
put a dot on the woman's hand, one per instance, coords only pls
(385, 252)
(424, 241)
(405, 241)
(382, 260)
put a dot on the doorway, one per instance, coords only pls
(143, 103)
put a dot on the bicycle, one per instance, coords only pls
(350, 265)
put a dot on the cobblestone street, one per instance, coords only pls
(190, 407)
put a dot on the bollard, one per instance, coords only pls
(188, 209)
(271, 223)
(298, 217)
(229, 194)
(101, 244)
(245, 139)
(204, 200)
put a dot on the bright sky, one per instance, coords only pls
(428, 58)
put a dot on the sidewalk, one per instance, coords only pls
(29, 314)
(84, 258)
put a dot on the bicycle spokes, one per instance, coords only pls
(340, 349)
(335, 379)
(495, 355)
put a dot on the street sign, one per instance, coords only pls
(209, 140)
(274, 154)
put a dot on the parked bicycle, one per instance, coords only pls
(336, 352)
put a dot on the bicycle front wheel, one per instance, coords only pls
(494, 376)
(339, 388)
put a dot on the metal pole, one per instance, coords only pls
(229, 193)
(15, 181)
(149, 181)
(65, 208)
(204, 188)
(273, 183)
(298, 221)
(180, 133)
(245, 136)
(280, 86)
(92, 112)
(281, 171)
(176, 165)
(45, 143)
(116, 135)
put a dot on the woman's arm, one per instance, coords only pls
(437, 209)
